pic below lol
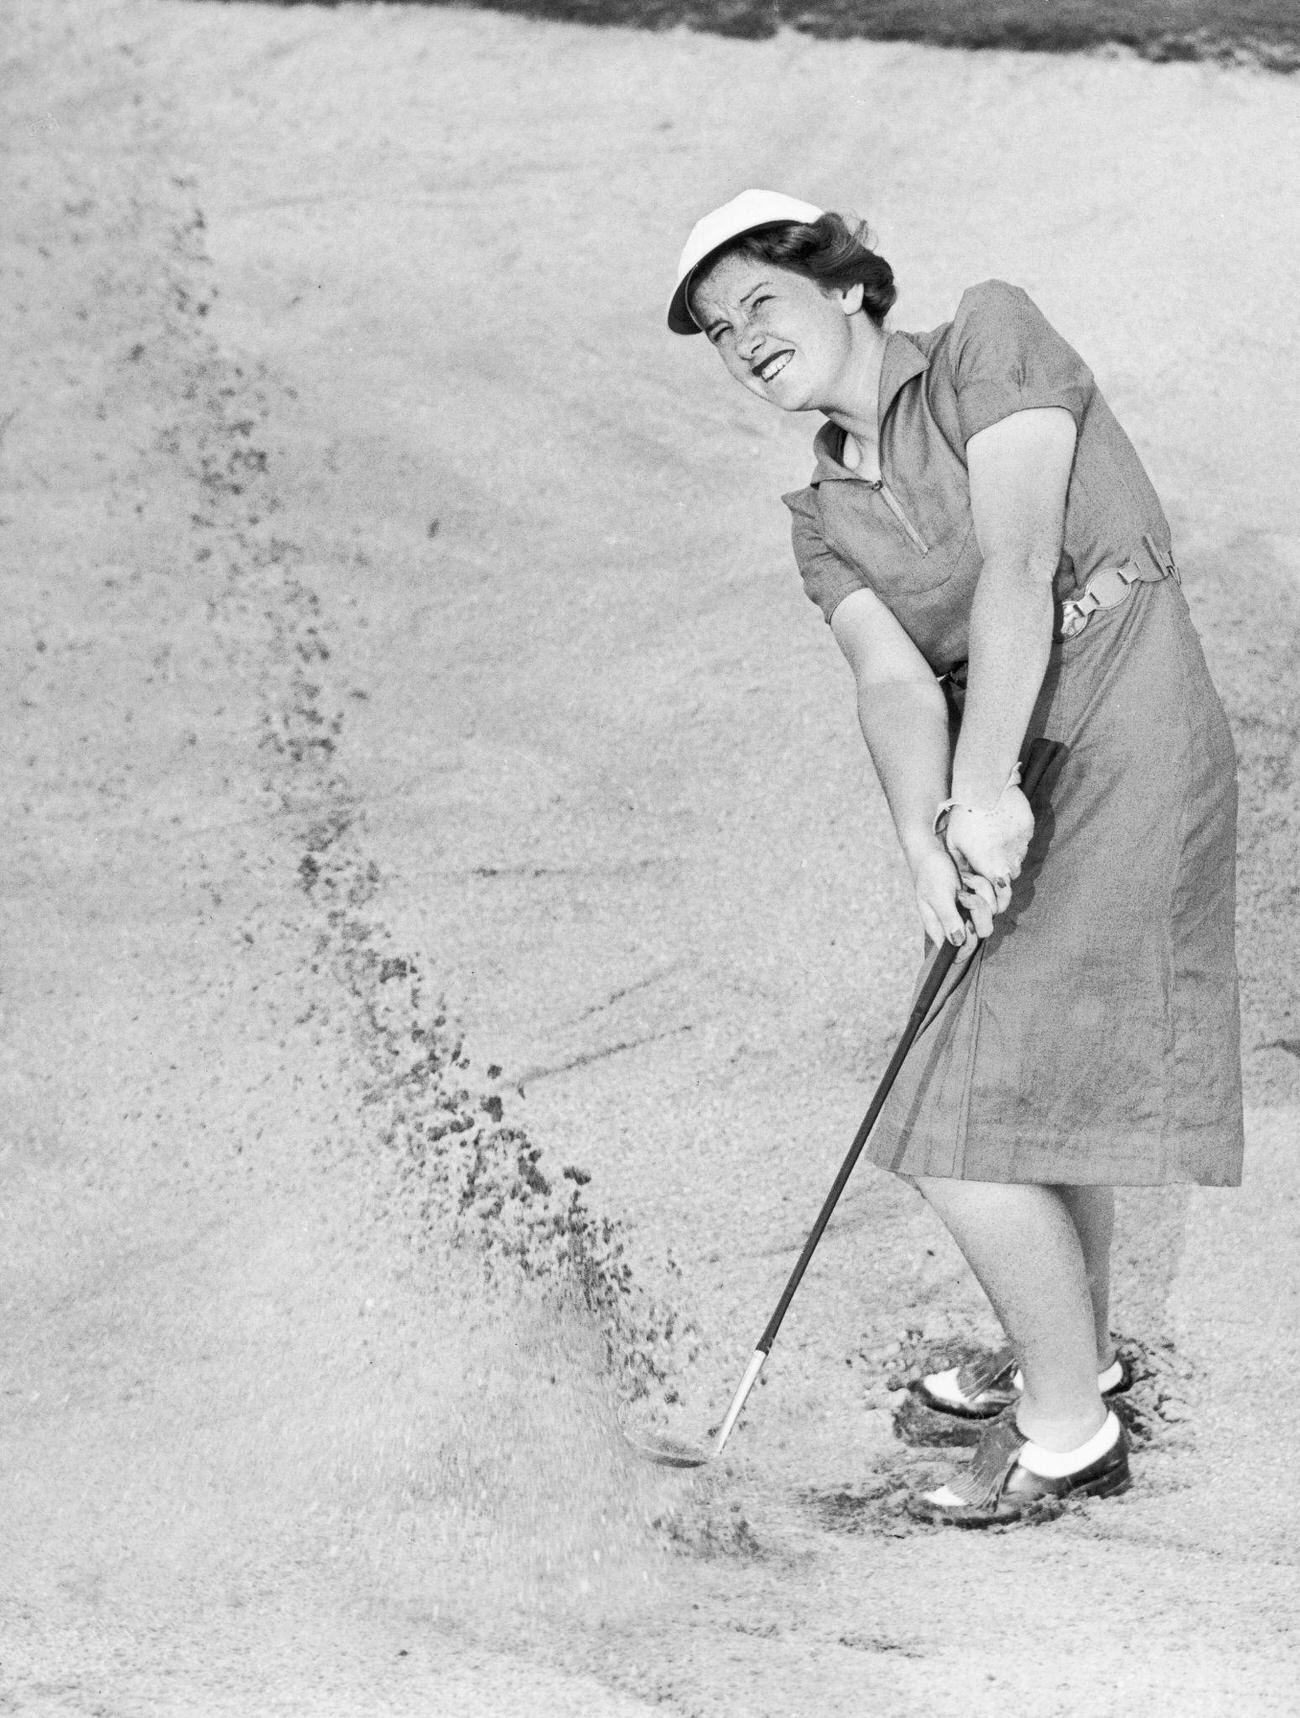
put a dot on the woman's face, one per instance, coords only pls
(780, 334)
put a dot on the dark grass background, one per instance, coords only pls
(1259, 32)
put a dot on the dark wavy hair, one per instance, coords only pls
(833, 250)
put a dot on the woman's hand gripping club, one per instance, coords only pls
(983, 850)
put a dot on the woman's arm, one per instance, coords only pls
(1019, 475)
(904, 718)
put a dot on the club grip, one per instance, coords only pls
(1040, 757)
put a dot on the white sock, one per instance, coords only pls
(1054, 1464)
(1113, 1375)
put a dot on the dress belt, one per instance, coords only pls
(1107, 587)
(1110, 585)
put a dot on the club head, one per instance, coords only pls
(666, 1451)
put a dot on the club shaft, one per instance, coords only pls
(1042, 753)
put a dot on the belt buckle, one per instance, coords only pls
(1074, 617)
(1107, 588)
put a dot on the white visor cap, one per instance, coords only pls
(742, 214)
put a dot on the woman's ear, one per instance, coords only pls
(850, 298)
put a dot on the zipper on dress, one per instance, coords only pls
(895, 507)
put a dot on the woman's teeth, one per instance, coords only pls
(771, 367)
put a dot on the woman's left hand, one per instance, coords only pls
(991, 842)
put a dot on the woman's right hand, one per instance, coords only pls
(953, 908)
(992, 841)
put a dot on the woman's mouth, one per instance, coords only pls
(772, 366)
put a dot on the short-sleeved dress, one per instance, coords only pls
(1094, 1037)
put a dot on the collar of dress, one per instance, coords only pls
(903, 360)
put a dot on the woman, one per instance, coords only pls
(995, 566)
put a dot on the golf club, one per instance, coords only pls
(675, 1452)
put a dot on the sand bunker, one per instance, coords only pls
(450, 935)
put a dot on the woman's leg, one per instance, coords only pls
(1022, 1244)
(1093, 1212)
